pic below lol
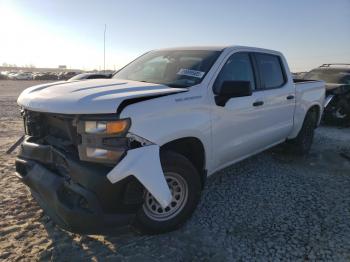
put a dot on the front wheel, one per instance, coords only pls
(185, 186)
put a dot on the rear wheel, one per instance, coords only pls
(185, 186)
(301, 145)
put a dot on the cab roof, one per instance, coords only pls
(221, 48)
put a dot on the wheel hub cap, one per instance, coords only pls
(179, 191)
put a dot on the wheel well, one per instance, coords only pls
(317, 110)
(193, 149)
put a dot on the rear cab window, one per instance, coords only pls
(271, 71)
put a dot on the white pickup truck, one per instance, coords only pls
(136, 149)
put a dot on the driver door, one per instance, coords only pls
(238, 126)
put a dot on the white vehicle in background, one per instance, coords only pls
(23, 76)
(3, 75)
(11, 75)
(137, 148)
(86, 76)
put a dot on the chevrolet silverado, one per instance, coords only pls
(136, 149)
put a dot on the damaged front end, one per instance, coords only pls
(88, 172)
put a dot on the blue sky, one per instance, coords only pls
(49, 33)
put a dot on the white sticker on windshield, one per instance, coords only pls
(190, 72)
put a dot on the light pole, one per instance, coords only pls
(104, 50)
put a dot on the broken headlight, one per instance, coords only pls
(103, 140)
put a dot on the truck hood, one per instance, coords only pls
(96, 96)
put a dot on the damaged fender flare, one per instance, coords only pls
(144, 164)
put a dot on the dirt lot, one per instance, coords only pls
(272, 206)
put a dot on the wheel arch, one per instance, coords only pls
(300, 116)
(317, 109)
(193, 149)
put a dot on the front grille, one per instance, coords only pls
(34, 124)
(53, 129)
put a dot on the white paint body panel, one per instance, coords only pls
(144, 164)
(95, 96)
(228, 134)
(307, 94)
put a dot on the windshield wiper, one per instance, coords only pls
(175, 85)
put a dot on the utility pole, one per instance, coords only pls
(104, 50)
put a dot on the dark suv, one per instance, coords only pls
(337, 78)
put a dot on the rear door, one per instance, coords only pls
(277, 95)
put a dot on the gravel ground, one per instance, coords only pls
(272, 206)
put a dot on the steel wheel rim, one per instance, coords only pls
(339, 114)
(179, 191)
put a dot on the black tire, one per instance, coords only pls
(301, 145)
(172, 163)
(339, 115)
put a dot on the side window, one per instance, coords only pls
(237, 68)
(270, 69)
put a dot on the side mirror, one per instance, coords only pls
(231, 89)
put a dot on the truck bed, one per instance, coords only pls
(308, 92)
(300, 81)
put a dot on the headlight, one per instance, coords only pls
(102, 140)
(106, 127)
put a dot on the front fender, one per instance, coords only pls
(169, 118)
(144, 164)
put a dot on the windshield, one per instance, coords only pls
(335, 76)
(174, 68)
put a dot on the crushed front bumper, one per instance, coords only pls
(77, 195)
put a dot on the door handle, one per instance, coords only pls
(258, 103)
(290, 97)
